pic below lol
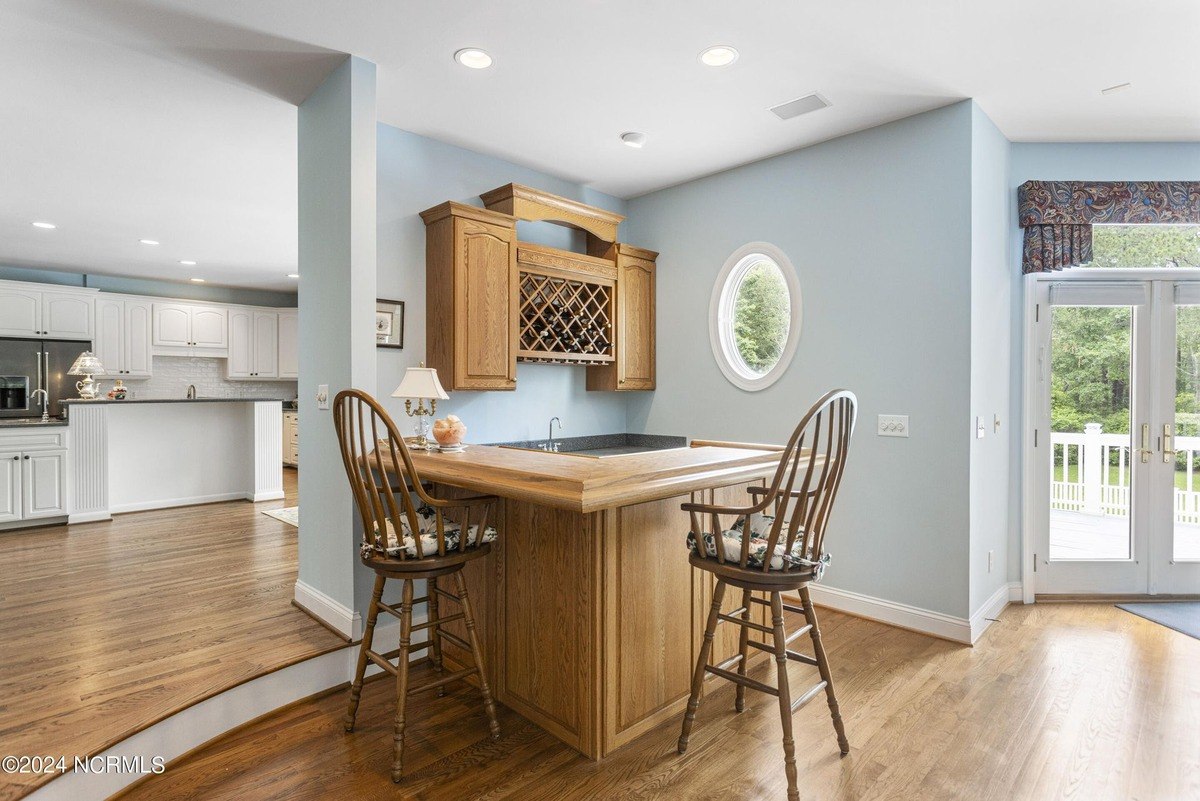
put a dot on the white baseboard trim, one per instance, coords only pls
(89, 517)
(991, 609)
(925, 621)
(258, 497)
(342, 619)
(168, 503)
(190, 728)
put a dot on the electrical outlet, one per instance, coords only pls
(893, 425)
(980, 431)
(991, 560)
(322, 396)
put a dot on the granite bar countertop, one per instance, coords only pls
(31, 422)
(604, 444)
(128, 401)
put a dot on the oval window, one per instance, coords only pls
(754, 319)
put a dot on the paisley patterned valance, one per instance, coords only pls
(1058, 215)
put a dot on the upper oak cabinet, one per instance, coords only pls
(494, 301)
(471, 296)
(633, 368)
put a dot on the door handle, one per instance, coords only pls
(1145, 450)
(1167, 441)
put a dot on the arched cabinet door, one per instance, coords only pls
(634, 368)
(471, 294)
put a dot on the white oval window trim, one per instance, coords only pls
(721, 309)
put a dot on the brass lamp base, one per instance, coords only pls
(422, 424)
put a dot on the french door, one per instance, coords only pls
(1115, 487)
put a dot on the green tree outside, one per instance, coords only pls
(1090, 346)
(761, 316)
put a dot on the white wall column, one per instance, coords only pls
(337, 302)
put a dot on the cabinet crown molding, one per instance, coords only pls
(465, 211)
(527, 203)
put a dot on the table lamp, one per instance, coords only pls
(87, 365)
(422, 384)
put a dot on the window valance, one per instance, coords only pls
(1058, 215)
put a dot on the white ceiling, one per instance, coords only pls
(175, 120)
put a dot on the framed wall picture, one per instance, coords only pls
(389, 323)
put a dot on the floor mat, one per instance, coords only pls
(289, 515)
(1183, 616)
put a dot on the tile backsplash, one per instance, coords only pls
(173, 374)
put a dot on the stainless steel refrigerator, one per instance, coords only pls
(27, 365)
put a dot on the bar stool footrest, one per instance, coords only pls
(808, 696)
(745, 681)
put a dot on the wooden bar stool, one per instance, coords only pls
(409, 542)
(776, 545)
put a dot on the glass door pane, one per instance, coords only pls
(1186, 538)
(1091, 481)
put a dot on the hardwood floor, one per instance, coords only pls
(106, 628)
(1080, 701)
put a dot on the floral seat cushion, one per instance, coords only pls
(427, 524)
(760, 528)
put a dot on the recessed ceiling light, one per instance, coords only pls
(44, 225)
(634, 138)
(719, 56)
(293, 275)
(148, 241)
(474, 58)
(188, 262)
(196, 280)
(1112, 90)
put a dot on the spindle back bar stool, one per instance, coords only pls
(776, 544)
(404, 541)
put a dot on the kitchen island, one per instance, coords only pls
(589, 611)
(131, 455)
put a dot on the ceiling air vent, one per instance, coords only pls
(801, 105)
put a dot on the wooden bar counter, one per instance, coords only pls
(590, 613)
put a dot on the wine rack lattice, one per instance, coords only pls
(565, 320)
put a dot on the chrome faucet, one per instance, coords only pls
(45, 403)
(551, 445)
(191, 394)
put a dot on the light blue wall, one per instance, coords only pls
(416, 173)
(337, 251)
(878, 224)
(145, 286)
(993, 288)
(1074, 161)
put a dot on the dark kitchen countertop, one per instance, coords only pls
(175, 400)
(20, 422)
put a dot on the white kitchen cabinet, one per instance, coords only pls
(266, 344)
(43, 484)
(291, 438)
(253, 344)
(209, 327)
(20, 312)
(28, 312)
(122, 341)
(10, 486)
(189, 325)
(67, 316)
(241, 335)
(138, 362)
(172, 325)
(108, 345)
(289, 344)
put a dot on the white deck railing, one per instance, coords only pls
(1101, 482)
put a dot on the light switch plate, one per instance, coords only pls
(980, 430)
(322, 396)
(893, 425)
